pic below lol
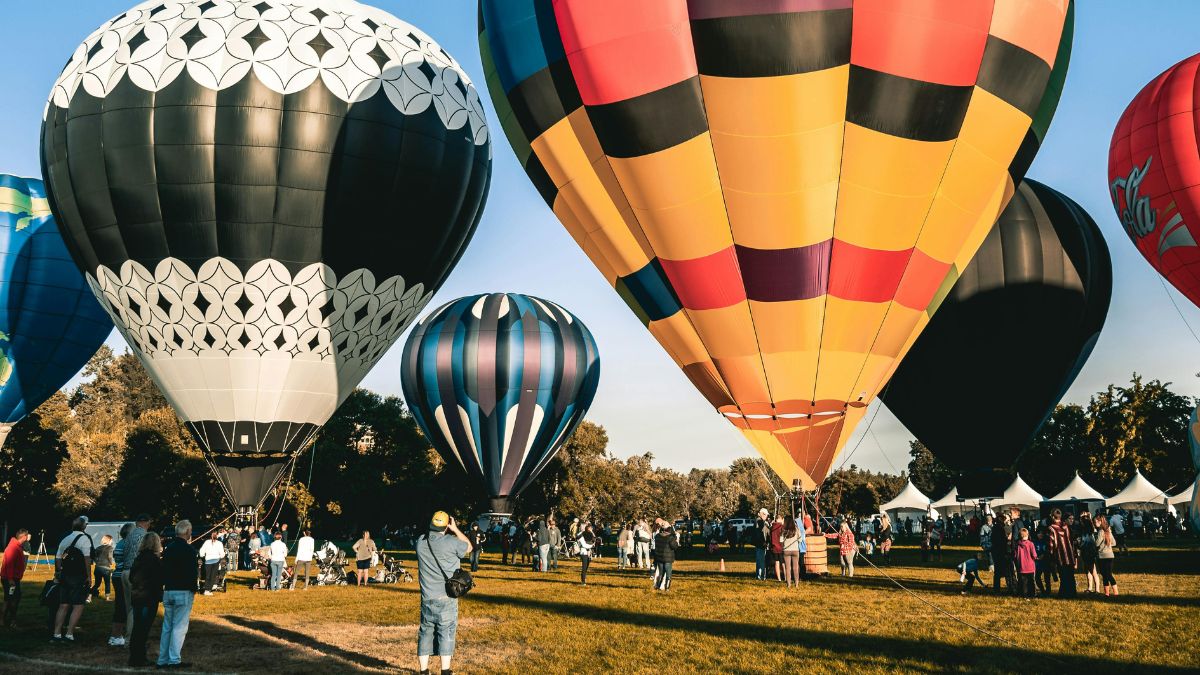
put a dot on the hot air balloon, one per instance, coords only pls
(498, 383)
(1008, 340)
(1154, 175)
(263, 194)
(50, 324)
(781, 191)
(1194, 443)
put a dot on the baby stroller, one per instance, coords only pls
(391, 570)
(331, 565)
(262, 563)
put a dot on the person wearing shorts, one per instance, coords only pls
(73, 580)
(364, 551)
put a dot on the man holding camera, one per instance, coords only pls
(439, 555)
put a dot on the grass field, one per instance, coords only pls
(518, 621)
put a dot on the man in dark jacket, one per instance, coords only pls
(760, 537)
(179, 588)
(665, 543)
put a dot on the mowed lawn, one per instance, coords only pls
(519, 621)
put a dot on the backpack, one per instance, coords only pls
(72, 560)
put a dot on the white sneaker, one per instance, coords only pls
(208, 592)
(116, 642)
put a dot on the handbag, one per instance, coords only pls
(458, 584)
(50, 593)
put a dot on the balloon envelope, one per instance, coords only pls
(50, 323)
(780, 191)
(498, 382)
(1154, 175)
(1008, 340)
(264, 195)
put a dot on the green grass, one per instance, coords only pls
(518, 621)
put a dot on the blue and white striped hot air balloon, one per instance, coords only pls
(498, 383)
(50, 323)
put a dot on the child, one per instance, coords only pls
(869, 546)
(1043, 564)
(925, 545)
(1025, 560)
(969, 572)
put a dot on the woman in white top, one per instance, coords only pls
(587, 542)
(304, 557)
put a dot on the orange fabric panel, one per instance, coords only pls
(1033, 25)
(937, 41)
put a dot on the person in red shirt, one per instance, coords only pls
(1062, 552)
(776, 546)
(12, 569)
(1025, 560)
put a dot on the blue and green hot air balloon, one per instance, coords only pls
(498, 383)
(50, 322)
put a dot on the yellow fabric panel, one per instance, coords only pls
(990, 137)
(790, 374)
(778, 144)
(612, 186)
(676, 334)
(676, 195)
(793, 325)
(744, 379)
(850, 328)
(823, 461)
(887, 185)
(897, 326)
(727, 332)
(778, 459)
(562, 150)
(587, 242)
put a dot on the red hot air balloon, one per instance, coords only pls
(1154, 175)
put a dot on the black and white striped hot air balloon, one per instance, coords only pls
(263, 194)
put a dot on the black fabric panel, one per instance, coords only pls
(251, 442)
(1012, 334)
(899, 106)
(1024, 157)
(247, 173)
(651, 122)
(1016, 76)
(541, 179)
(249, 483)
(766, 45)
(544, 99)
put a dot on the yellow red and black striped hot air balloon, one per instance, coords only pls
(782, 190)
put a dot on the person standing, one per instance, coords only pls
(179, 590)
(72, 565)
(1002, 556)
(775, 552)
(586, 542)
(1025, 561)
(121, 605)
(847, 548)
(104, 567)
(985, 541)
(232, 542)
(211, 553)
(760, 538)
(1087, 552)
(1062, 552)
(641, 544)
(543, 545)
(146, 584)
(665, 545)
(623, 539)
(885, 538)
(556, 541)
(477, 537)
(245, 546)
(279, 551)
(439, 555)
(1105, 543)
(12, 570)
(305, 547)
(791, 541)
(364, 551)
(1116, 523)
(133, 544)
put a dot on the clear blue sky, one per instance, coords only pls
(644, 401)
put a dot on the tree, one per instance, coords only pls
(927, 472)
(1061, 447)
(1143, 426)
(29, 462)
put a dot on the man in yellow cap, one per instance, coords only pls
(439, 555)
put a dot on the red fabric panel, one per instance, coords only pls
(865, 274)
(710, 282)
(620, 49)
(937, 41)
(921, 281)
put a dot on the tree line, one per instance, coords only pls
(113, 447)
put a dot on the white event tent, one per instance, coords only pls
(949, 504)
(1077, 489)
(909, 500)
(1139, 494)
(1183, 497)
(1020, 495)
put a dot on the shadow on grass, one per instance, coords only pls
(302, 640)
(938, 656)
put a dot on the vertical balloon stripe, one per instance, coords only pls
(539, 368)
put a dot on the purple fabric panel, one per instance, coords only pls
(713, 9)
(778, 275)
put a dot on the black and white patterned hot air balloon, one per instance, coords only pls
(263, 193)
